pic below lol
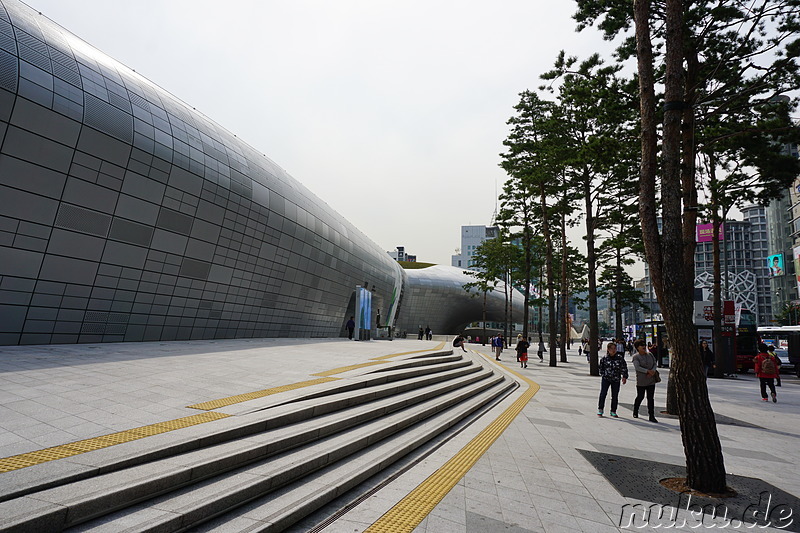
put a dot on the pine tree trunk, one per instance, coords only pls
(617, 296)
(671, 263)
(541, 310)
(510, 301)
(484, 318)
(551, 297)
(505, 310)
(526, 244)
(671, 406)
(564, 299)
(718, 352)
(591, 264)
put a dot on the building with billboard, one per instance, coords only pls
(739, 279)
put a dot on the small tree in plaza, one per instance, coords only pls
(484, 284)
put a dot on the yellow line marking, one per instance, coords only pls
(343, 369)
(439, 347)
(23, 460)
(407, 514)
(374, 361)
(325, 375)
(239, 398)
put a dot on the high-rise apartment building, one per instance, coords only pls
(779, 233)
(756, 215)
(471, 238)
(736, 259)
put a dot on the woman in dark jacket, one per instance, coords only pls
(707, 356)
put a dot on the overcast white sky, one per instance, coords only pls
(394, 113)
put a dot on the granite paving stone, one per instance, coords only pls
(532, 478)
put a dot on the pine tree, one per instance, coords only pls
(598, 150)
(721, 53)
(532, 161)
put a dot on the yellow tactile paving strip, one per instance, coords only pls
(239, 398)
(15, 462)
(342, 369)
(439, 347)
(23, 460)
(411, 510)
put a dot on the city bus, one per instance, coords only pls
(746, 345)
(784, 338)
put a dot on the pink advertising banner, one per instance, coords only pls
(705, 232)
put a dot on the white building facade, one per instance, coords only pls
(471, 238)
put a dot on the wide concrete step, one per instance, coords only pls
(255, 417)
(387, 373)
(271, 495)
(397, 381)
(247, 450)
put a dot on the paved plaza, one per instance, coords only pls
(538, 475)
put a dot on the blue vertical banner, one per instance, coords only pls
(363, 313)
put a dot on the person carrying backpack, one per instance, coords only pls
(767, 369)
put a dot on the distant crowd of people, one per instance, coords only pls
(646, 359)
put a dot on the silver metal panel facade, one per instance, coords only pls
(435, 297)
(127, 216)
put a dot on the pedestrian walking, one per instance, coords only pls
(497, 346)
(522, 352)
(707, 356)
(768, 368)
(771, 351)
(613, 370)
(646, 378)
(351, 326)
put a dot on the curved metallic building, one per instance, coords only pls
(125, 215)
(435, 297)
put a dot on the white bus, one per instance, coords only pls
(786, 340)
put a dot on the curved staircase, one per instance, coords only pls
(273, 461)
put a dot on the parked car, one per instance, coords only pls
(783, 356)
